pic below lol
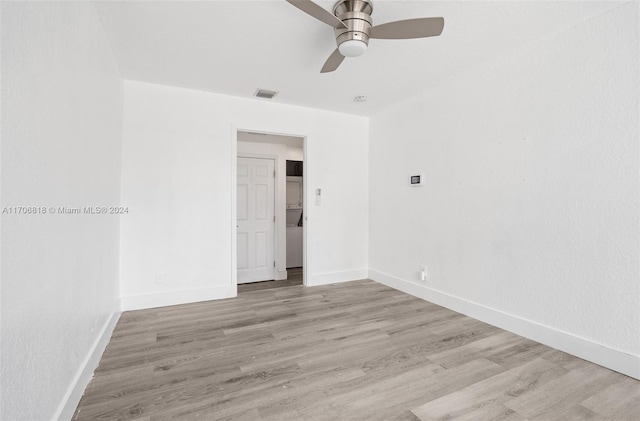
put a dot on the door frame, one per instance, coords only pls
(276, 191)
(307, 230)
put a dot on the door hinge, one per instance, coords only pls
(274, 218)
(274, 173)
(274, 263)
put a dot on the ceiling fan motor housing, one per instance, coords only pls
(356, 14)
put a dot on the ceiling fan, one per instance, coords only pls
(351, 20)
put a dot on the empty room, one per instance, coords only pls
(320, 210)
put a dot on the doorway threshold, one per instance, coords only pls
(294, 279)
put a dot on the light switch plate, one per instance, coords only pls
(416, 180)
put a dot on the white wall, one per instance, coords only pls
(61, 138)
(177, 169)
(529, 215)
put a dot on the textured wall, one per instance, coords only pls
(531, 204)
(61, 140)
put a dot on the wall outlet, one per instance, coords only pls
(423, 272)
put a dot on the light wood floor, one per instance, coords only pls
(294, 277)
(351, 351)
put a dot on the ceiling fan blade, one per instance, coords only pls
(410, 28)
(318, 12)
(332, 62)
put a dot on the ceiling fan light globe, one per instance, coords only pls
(352, 48)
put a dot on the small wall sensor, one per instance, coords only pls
(423, 272)
(416, 180)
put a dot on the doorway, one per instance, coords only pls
(282, 243)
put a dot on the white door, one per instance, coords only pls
(255, 220)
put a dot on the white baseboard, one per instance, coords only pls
(85, 373)
(170, 298)
(611, 358)
(336, 277)
(280, 275)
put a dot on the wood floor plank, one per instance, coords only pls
(352, 351)
(427, 385)
(486, 411)
(559, 397)
(621, 400)
(491, 393)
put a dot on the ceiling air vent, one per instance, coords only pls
(263, 93)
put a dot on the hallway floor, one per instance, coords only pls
(294, 277)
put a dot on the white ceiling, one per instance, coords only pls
(236, 47)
